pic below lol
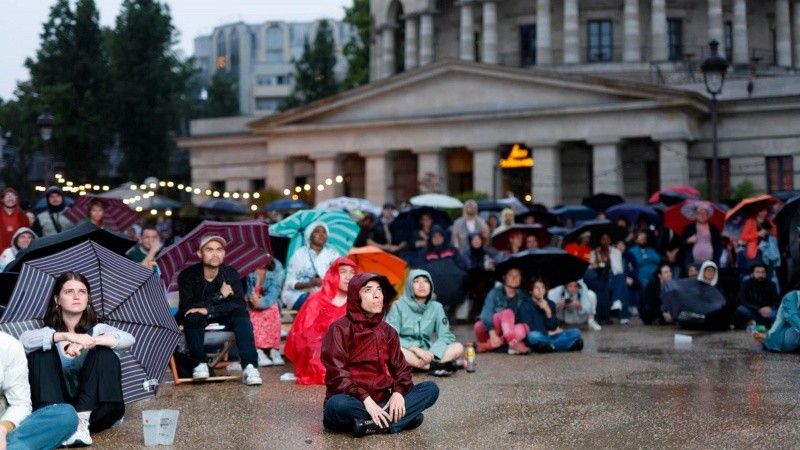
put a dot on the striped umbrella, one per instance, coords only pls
(247, 248)
(342, 230)
(124, 294)
(118, 216)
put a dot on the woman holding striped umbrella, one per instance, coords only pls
(73, 359)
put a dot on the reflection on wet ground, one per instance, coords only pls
(631, 387)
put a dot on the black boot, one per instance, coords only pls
(577, 346)
(543, 347)
(415, 423)
(363, 427)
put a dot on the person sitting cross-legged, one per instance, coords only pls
(545, 335)
(368, 381)
(425, 336)
(211, 288)
(758, 298)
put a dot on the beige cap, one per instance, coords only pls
(211, 237)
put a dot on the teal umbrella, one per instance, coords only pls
(342, 230)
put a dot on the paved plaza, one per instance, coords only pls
(631, 387)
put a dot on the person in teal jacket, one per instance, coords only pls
(784, 336)
(425, 336)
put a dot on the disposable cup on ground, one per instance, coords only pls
(151, 424)
(682, 339)
(168, 425)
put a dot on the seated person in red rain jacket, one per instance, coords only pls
(368, 380)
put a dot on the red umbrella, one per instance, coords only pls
(735, 218)
(687, 190)
(247, 248)
(118, 216)
(678, 216)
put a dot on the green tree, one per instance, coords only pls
(222, 98)
(356, 50)
(314, 76)
(149, 86)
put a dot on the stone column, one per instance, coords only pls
(715, 29)
(571, 27)
(387, 58)
(467, 32)
(412, 48)
(673, 162)
(432, 161)
(546, 175)
(783, 33)
(544, 46)
(278, 173)
(631, 51)
(607, 167)
(325, 166)
(741, 46)
(658, 31)
(485, 171)
(378, 176)
(426, 39)
(796, 29)
(489, 32)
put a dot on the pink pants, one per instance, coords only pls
(505, 327)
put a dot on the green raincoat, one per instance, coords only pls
(422, 325)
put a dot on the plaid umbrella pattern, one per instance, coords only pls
(124, 294)
(247, 248)
(117, 214)
(342, 230)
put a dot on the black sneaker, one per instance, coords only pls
(577, 346)
(450, 366)
(362, 427)
(440, 372)
(415, 423)
(543, 347)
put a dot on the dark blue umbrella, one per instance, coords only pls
(407, 222)
(124, 295)
(788, 216)
(223, 206)
(41, 204)
(602, 201)
(285, 204)
(632, 212)
(578, 213)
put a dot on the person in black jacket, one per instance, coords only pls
(651, 298)
(211, 288)
(758, 298)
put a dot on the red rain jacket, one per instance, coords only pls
(304, 343)
(361, 354)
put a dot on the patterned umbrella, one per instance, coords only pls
(677, 217)
(117, 214)
(735, 218)
(247, 248)
(342, 230)
(124, 294)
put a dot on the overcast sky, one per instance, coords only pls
(21, 24)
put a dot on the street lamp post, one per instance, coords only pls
(46, 123)
(714, 69)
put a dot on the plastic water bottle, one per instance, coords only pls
(470, 353)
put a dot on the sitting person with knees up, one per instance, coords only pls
(263, 295)
(74, 359)
(425, 337)
(545, 335)
(369, 388)
(575, 304)
(499, 322)
(45, 428)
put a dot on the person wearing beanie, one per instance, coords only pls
(21, 240)
(12, 217)
(52, 219)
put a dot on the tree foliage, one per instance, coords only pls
(356, 51)
(222, 98)
(314, 74)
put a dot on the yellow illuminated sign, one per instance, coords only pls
(518, 157)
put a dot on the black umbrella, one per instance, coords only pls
(691, 295)
(786, 215)
(555, 265)
(408, 221)
(7, 282)
(124, 295)
(280, 247)
(597, 227)
(602, 201)
(44, 246)
(542, 217)
(448, 281)
(223, 206)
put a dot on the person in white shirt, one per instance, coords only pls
(307, 266)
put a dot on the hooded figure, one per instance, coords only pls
(365, 367)
(12, 217)
(304, 343)
(421, 325)
(10, 254)
(695, 303)
(306, 268)
(52, 219)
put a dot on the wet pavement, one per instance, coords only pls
(631, 387)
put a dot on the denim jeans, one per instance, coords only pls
(341, 409)
(791, 340)
(749, 314)
(562, 342)
(45, 428)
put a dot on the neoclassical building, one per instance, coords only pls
(552, 99)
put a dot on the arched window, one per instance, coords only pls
(274, 44)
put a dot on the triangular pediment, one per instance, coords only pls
(457, 88)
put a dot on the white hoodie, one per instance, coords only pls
(703, 268)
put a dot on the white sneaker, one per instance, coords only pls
(233, 367)
(617, 305)
(200, 372)
(624, 321)
(81, 437)
(250, 376)
(634, 311)
(263, 361)
(593, 325)
(275, 355)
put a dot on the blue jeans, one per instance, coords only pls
(562, 342)
(341, 409)
(300, 302)
(749, 314)
(791, 340)
(45, 428)
(236, 318)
